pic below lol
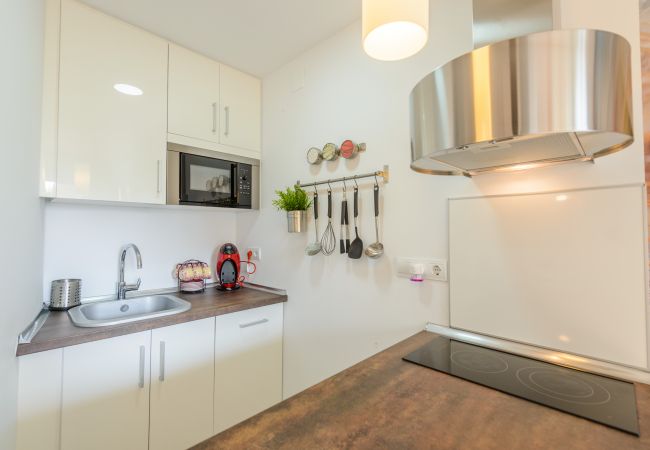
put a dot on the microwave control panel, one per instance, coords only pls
(244, 184)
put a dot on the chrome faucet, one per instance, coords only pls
(122, 287)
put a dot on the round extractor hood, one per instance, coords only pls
(539, 99)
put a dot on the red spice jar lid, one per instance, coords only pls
(348, 149)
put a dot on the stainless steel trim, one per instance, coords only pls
(173, 177)
(544, 354)
(253, 323)
(226, 109)
(554, 96)
(161, 375)
(180, 148)
(270, 290)
(28, 333)
(214, 117)
(141, 379)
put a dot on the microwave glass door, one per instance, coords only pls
(207, 181)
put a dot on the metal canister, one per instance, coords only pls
(65, 294)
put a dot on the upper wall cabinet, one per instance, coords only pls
(193, 95)
(240, 109)
(212, 105)
(112, 109)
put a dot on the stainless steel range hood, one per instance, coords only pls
(544, 98)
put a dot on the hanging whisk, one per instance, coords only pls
(328, 241)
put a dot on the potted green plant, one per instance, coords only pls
(295, 202)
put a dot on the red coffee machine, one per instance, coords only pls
(228, 263)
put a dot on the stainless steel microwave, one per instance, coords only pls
(208, 178)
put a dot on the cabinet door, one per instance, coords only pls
(39, 400)
(193, 95)
(241, 100)
(112, 146)
(182, 385)
(105, 394)
(248, 364)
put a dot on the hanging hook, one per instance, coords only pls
(344, 186)
(376, 182)
(356, 186)
(329, 186)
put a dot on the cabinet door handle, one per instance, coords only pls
(253, 323)
(141, 381)
(227, 111)
(161, 376)
(158, 183)
(214, 117)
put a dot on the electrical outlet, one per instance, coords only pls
(434, 269)
(439, 271)
(257, 253)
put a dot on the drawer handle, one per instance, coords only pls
(252, 324)
(141, 381)
(161, 376)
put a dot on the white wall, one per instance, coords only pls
(84, 241)
(21, 229)
(341, 311)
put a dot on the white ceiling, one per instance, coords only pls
(256, 36)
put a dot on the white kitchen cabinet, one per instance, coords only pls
(39, 400)
(193, 95)
(105, 394)
(213, 106)
(248, 364)
(241, 100)
(111, 146)
(182, 383)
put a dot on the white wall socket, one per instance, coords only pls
(257, 253)
(434, 268)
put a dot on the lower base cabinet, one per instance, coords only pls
(168, 388)
(105, 394)
(248, 364)
(182, 379)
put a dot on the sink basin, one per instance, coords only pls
(115, 312)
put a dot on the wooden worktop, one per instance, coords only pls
(386, 403)
(59, 331)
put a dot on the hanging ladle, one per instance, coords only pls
(376, 249)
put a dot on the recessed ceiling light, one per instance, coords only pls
(561, 197)
(127, 89)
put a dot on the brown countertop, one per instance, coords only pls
(59, 331)
(386, 403)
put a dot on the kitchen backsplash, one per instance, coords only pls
(84, 241)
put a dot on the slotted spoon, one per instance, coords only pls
(315, 247)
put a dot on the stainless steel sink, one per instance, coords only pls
(115, 312)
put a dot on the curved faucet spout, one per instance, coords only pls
(122, 287)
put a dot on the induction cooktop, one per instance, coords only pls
(601, 399)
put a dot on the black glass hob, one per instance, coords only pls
(604, 400)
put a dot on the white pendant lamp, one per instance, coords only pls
(394, 29)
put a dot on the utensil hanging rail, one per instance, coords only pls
(379, 173)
